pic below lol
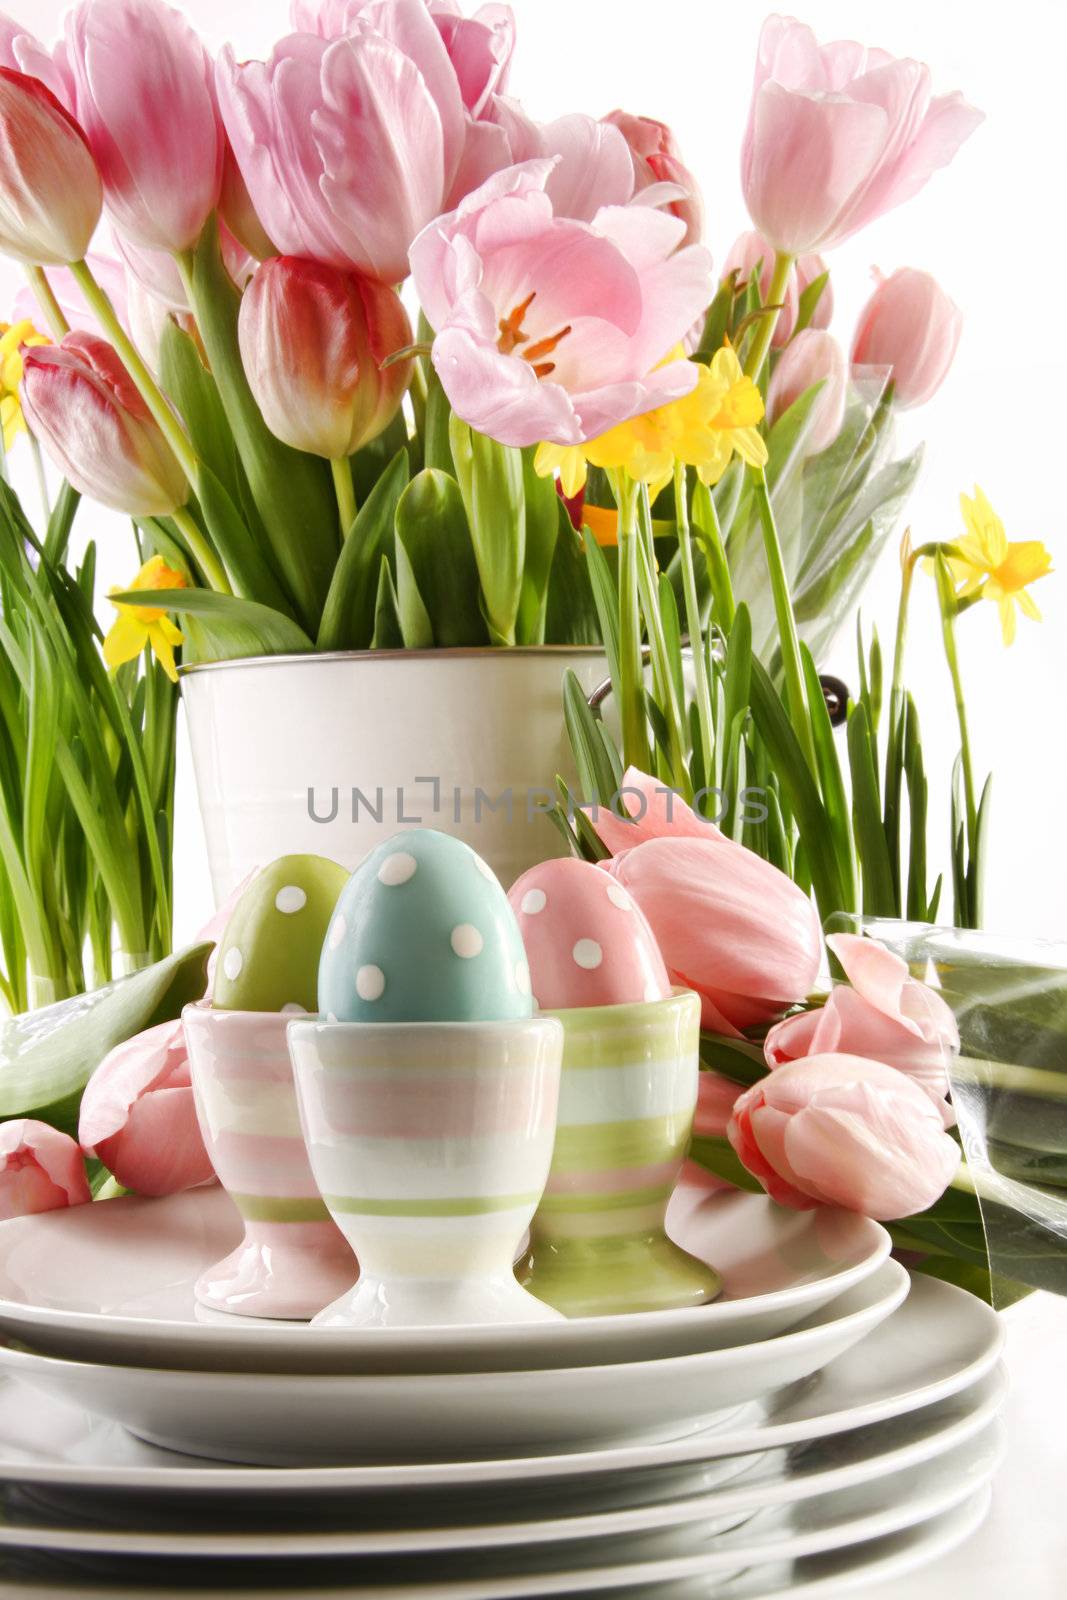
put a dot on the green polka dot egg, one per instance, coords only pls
(423, 933)
(268, 958)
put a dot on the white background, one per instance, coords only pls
(990, 228)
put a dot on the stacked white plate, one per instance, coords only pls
(824, 1423)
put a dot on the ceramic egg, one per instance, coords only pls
(268, 957)
(587, 942)
(423, 933)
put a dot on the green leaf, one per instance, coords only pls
(228, 626)
(606, 600)
(490, 477)
(878, 894)
(809, 302)
(292, 491)
(785, 441)
(542, 529)
(387, 631)
(976, 870)
(719, 319)
(437, 451)
(48, 1056)
(433, 549)
(595, 773)
(349, 613)
(831, 779)
(60, 523)
(571, 616)
(248, 570)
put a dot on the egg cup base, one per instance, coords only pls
(286, 1270)
(615, 1275)
(434, 1303)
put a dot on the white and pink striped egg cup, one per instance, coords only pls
(293, 1260)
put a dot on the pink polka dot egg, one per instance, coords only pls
(587, 942)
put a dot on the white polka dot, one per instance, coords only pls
(370, 983)
(484, 868)
(588, 954)
(293, 1008)
(466, 941)
(522, 977)
(533, 901)
(232, 962)
(618, 897)
(331, 1016)
(397, 868)
(653, 991)
(290, 899)
(338, 929)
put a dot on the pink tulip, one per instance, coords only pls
(20, 51)
(238, 219)
(81, 404)
(50, 194)
(882, 1013)
(41, 1169)
(656, 160)
(751, 250)
(313, 340)
(643, 808)
(144, 95)
(349, 147)
(814, 356)
(550, 328)
(158, 274)
(838, 1130)
(730, 925)
(838, 134)
(138, 1116)
(910, 329)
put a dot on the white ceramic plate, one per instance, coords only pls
(939, 1343)
(827, 1522)
(354, 1526)
(290, 1419)
(114, 1283)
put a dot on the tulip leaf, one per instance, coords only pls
(437, 450)
(542, 529)
(606, 600)
(879, 898)
(717, 1155)
(570, 612)
(48, 1056)
(349, 613)
(226, 626)
(434, 542)
(387, 631)
(809, 302)
(60, 523)
(292, 490)
(490, 477)
(788, 434)
(831, 778)
(415, 626)
(596, 776)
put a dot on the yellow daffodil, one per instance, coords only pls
(719, 416)
(138, 626)
(12, 337)
(990, 566)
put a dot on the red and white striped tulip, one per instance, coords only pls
(82, 406)
(313, 339)
(50, 191)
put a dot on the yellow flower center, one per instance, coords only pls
(742, 406)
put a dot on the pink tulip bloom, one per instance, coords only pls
(814, 356)
(50, 194)
(656, 160)
(349, 147)
(882, 1013)
(730, 925)
(23, 53)
(81, 405)
(841, 1131)
(548, 328)
(313, 340)
(238, 219)
(838, 134)
(909, 329)
(144, 95)
(643, 808)
(138, 1115)
(41, 1169)
(751, 250)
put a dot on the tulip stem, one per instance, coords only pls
(53, 312)
(202, 552)
(692, 619)
(346, 494)
(757, 355)
(946, 596)
(631, 674)
(788, 640)
(149, 390)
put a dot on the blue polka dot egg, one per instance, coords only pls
(423, 932)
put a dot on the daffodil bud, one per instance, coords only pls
(313, 342)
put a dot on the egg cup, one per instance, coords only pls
(292, 1260)
(431, 1144)
(627, 1098)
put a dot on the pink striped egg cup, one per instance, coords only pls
(293, 1260)
(431, 1144)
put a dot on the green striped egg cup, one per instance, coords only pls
(628, 1093)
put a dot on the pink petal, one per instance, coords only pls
(135, 1068)
(655, 812)
(160, 1150)
(41, 1169)
(595, 167)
